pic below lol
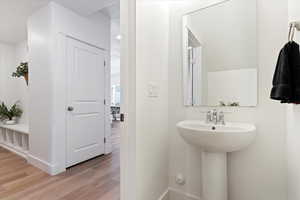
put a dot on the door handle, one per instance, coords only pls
(70, 108)
(122, 117)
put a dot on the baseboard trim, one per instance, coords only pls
(43, 165)
(177, 194)
(57, 170)
(14, 150)
(165, 195)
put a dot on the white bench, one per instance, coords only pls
(15, 138)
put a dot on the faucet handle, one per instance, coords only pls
(208, 116)
(214, 112)
(221, 118)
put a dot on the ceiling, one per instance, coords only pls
(14, 14)
(84, 8)
(112, 11)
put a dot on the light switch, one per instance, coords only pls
(153, 89)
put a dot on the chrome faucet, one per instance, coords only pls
(214, 117)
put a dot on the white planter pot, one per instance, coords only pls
(10, 122)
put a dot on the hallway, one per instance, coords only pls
(97, 179)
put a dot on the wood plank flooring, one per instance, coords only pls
(97, 179)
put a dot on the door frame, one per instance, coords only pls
(128, 102)
(128, 99)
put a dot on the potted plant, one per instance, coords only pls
(22, 71)
(10, 116)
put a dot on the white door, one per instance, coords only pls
(85, 106)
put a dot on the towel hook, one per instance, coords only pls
(293, 31)
(293, 26)
(290, 31)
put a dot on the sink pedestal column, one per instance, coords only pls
(214, 176)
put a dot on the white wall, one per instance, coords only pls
(48, 28)
(258, 172)
(7, 64)
(115, 51)
(293, 149)
(152, 113)
(2, 77)
(115, 79)
(21, 87)
(293, 128)
(115, 46)
(294, 14)
(13, 89)
(40, 89)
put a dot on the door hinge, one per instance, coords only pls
(104, 102)
(104, 63)
(104, 140)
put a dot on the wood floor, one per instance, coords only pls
(97, 179)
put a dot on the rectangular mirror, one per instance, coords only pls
(220, 55)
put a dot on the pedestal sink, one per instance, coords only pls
(216, 141)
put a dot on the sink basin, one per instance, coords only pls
(217, 138)
(216, 141)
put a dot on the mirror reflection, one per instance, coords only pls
(220, 58)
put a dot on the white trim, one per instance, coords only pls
(23, 154)
(43, 165)
(107, 124)
(182, 195)
(56, 169)
(177, 195)
(87, 43)
(128, 99)
(201, 6)
(165, 195)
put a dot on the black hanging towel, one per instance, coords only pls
(286, 80)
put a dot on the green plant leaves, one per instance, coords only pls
(14, 111)
(22, 69)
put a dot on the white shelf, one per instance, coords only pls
(15, 138)
(22, 128)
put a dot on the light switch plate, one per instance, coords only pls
(153, 90)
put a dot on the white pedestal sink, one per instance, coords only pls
(216, 141)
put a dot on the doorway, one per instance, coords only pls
(92, 175)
